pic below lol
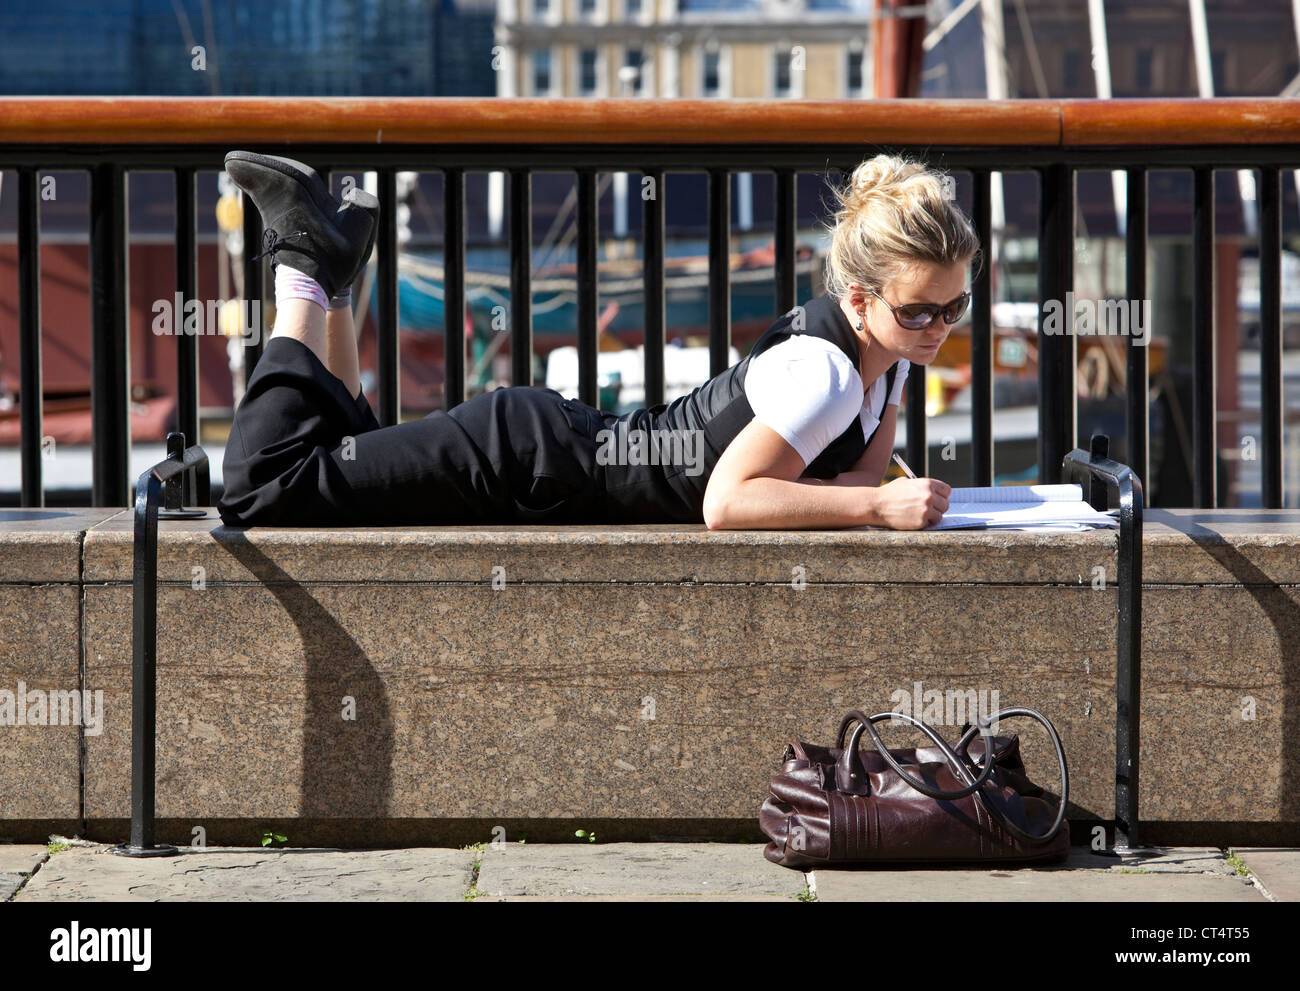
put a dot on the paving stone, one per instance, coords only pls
(235, 874)
(1276, 868)
(707, 899)
(21, 858)
(634, 870)
(1032, 885)
(706, 872)
(9, 883)
(1164, 860)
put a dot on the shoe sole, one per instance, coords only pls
(365, 200)
(305, 175)
(368, 202)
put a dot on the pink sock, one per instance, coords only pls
(292, 284)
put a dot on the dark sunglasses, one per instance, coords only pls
(918, 316)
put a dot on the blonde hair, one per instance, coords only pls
(891, 214)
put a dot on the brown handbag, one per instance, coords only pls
(835, 806)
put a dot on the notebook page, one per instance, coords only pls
(1076, 515)
(1018, 494)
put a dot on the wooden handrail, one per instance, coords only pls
(458, 120)
(1223, 121)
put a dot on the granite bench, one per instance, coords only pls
(425, 685)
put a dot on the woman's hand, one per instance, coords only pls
(912, 503)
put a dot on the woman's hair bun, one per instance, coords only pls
(891, 212)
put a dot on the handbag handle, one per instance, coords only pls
(864, 722)
(973, 786)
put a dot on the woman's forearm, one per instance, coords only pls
(849, 499)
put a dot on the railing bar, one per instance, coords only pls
(1137, 367)
(144, 664)
(387, 340)
(1204, 404)
(652, 269)
(786, 272)
(1270, 344)
(254, 288)
(1091, 468)
(29, 337)
(1057, 410)
(152, 488)
(719, 271)
(981, 336)
(187, 281)
(110, 369)
(588, 348)
(521, 262)
(918, 447)
(635, 157)
(453, 199)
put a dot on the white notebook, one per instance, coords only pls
(1044, 508)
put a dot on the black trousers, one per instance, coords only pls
(303, 451)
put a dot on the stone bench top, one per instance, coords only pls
(1180, 546)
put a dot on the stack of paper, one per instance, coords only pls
(1022, 507)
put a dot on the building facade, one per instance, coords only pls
(247, 48)
(811, 49)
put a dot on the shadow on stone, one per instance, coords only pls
(1284, 616)
(347, 765)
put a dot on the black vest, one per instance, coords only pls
(721, 410)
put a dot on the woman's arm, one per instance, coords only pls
(875, 459)
(756, 485)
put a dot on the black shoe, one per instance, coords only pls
(360, 199)
(304, 226)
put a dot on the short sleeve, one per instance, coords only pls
(807, 390)
(900, 379)
(873, 410)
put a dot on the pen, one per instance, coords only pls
(903, 464)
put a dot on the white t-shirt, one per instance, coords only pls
(807, 390)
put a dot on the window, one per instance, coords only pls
(711, 78)
(632, 9)
(588, 78)
(541, 9)
(781, 82)
(541, 59)
(853, 71)
(587, 8)
(632, 75)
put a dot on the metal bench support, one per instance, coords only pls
(169, 482)
(1090, 467)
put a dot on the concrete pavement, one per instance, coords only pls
(710, 872)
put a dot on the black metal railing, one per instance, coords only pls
(161, 492)
(1056, 163)
(1097, 473)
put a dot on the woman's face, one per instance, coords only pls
(923, 282)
